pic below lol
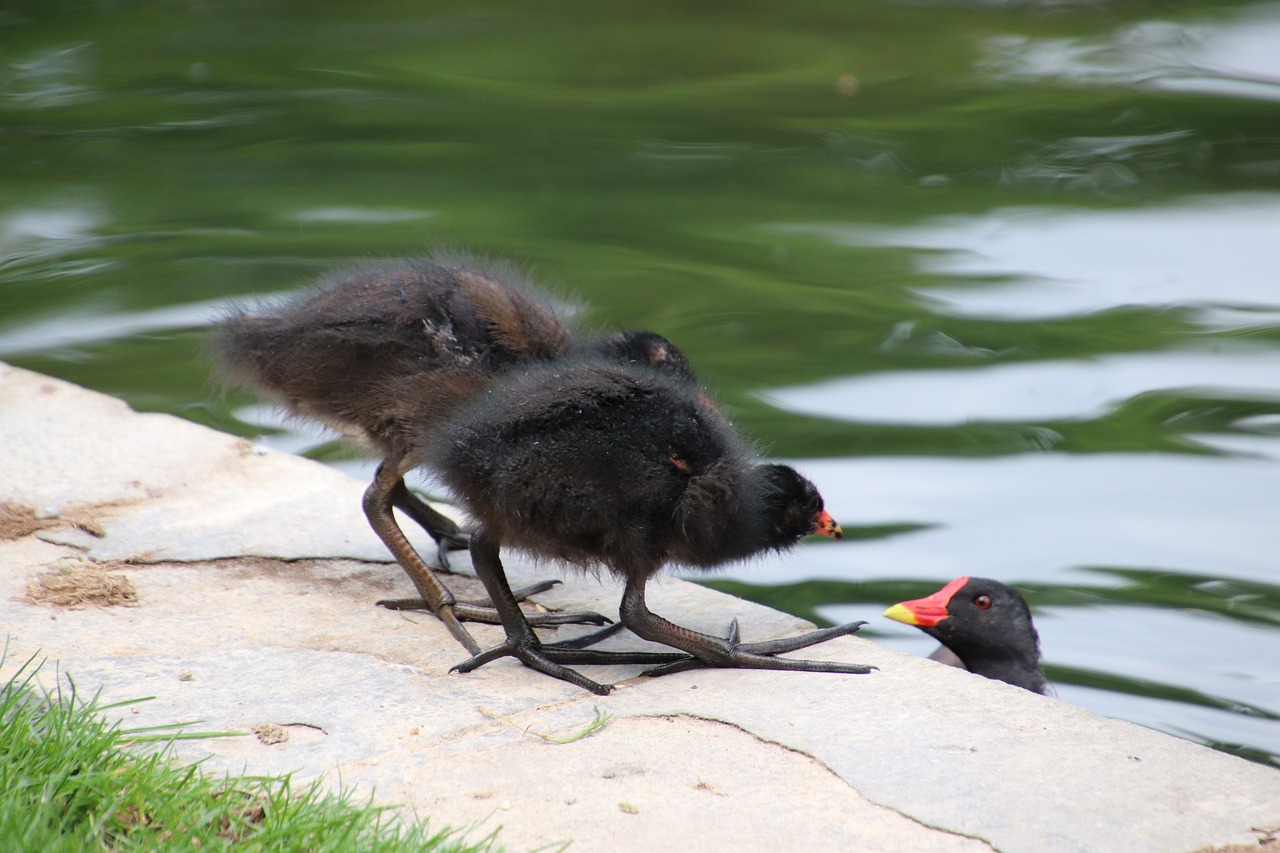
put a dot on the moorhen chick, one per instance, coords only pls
(385, 353)
(984, 626)
(590, 461)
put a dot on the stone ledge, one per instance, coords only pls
(255, 576)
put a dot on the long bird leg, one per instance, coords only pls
(377, 508)
(522, 644)
(727, 652)
(448, 538)
(440, 527)
(378, 501)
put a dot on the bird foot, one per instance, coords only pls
(529, 652)
(486, 613)
(549, 659)
(762, 655)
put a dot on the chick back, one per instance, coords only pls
(387, 351)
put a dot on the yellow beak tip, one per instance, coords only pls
(898, 613)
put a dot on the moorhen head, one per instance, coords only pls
(386, 352)
(642, 348)
(592, 460)
(987, 627)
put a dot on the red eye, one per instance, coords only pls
(982, 602)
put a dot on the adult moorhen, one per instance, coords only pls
(984, 626)
(387, 352)
(590, 461)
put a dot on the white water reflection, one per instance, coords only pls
(1216, 254)
(1236, 660)
(1260, 446)
(361, 215)
(1219, 252)
(1033, 391)
(283, 432)
(1237, 58)
(280, 431)
(1033, 516)
(49, 231)
(89, 324)
(51, 78)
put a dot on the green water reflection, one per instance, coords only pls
(725, 175)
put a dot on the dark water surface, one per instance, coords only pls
(1003, 278)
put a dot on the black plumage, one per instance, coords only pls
(387, 353)
(592, 461)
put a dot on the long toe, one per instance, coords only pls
(569, 617)
(764, 655)
(449, 614)
(588, 639)
(531, 656)
(445, 543)
(747, 660)
(446, 615)
(534, 588)
(600, 656)
(489, 615)
(690, 662)
(403, 604)
(790, 644)
(483, 611)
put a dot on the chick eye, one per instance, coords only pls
(982, 602)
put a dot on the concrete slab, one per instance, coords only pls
(255, 576)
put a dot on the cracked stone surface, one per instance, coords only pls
(256, 575)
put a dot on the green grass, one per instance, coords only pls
(600, 719)
(72, 781)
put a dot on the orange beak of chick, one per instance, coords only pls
(825, 525)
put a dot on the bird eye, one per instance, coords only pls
(982, 602)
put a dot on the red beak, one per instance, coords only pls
(928, 611)
(825, 525)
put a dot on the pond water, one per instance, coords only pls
(1003, 278)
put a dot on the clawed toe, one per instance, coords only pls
(471, 611)
(446, 615)
(597, 656)
(450, 542)
(586, 640)
(690, 662)
(489, 615)
(534, 588)
(549, 658)
(568, 617)
(763, 655)
(790, 644)
(530, 654)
